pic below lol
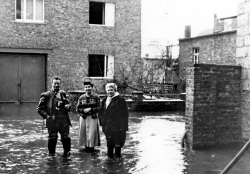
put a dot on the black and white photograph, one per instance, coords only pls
(125, 87)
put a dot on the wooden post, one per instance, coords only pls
(236, 158)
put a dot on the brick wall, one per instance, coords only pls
(214, 49)
(66, 30)
(212, 104)
(243, 59)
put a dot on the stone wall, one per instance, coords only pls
(66, 30)
(212, 104)
(243, 59)
(217, 49)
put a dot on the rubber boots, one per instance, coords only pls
(110, 151)
(118, 151)
(66, 146)
(52, 146)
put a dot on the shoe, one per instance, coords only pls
(52, 154)
(82, 150)
(66, 154)
(90, 149)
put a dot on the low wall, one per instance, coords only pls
(212, 105)
(156, 106)
(136, 103)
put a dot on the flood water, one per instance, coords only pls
(153, 146)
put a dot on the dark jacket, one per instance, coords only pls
(93, 102)
(44, 107)
(115, 117)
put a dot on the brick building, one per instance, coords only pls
(217, 104)
(72, 39)
(218, 48)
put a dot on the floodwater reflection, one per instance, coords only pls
(153, 145)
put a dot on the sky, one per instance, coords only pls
(164, 21)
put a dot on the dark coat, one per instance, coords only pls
(44, 107)
(115, 117)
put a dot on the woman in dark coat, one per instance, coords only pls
(113, 117)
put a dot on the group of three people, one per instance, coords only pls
(111, 112)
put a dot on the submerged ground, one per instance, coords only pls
(153, 146)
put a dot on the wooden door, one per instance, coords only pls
(22, 77)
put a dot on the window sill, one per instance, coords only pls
(30, 22)
(101, 25)
(100, 78)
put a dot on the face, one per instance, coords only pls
(88, 89)
(56, 85)
(110, 92)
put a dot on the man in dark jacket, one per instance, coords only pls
(113, 118)
(54, 106)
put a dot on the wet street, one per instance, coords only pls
(153, 145)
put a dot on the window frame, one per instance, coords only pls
(24, 11)
(196, 55)
(105, 15)
(106, 67)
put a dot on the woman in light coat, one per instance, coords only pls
(88, 107)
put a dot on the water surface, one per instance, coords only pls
(153, 145)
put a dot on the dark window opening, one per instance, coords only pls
(96, 13)
(18, 9)
(96, 65)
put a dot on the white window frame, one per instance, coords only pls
(34, 13)
(109, 15)
(196, 52)
(108, 67)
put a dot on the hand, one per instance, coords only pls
(83, 116)
(94, 116)
(87, 110)
(67, 107)
(52, 117)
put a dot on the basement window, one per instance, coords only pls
(101, 65)
(101, 13)
(196, 52)
(30, 10)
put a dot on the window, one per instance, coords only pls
(227, 24)
(101, 65)
(196, 55)
(30, 10)
(102, 13)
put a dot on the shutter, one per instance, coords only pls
(109, 14)
(110, 66)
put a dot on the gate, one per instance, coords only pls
(22, 77)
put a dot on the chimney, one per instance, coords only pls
(187, 31)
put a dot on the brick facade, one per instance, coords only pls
(212, 105)
(217, 49)
(67, 32)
